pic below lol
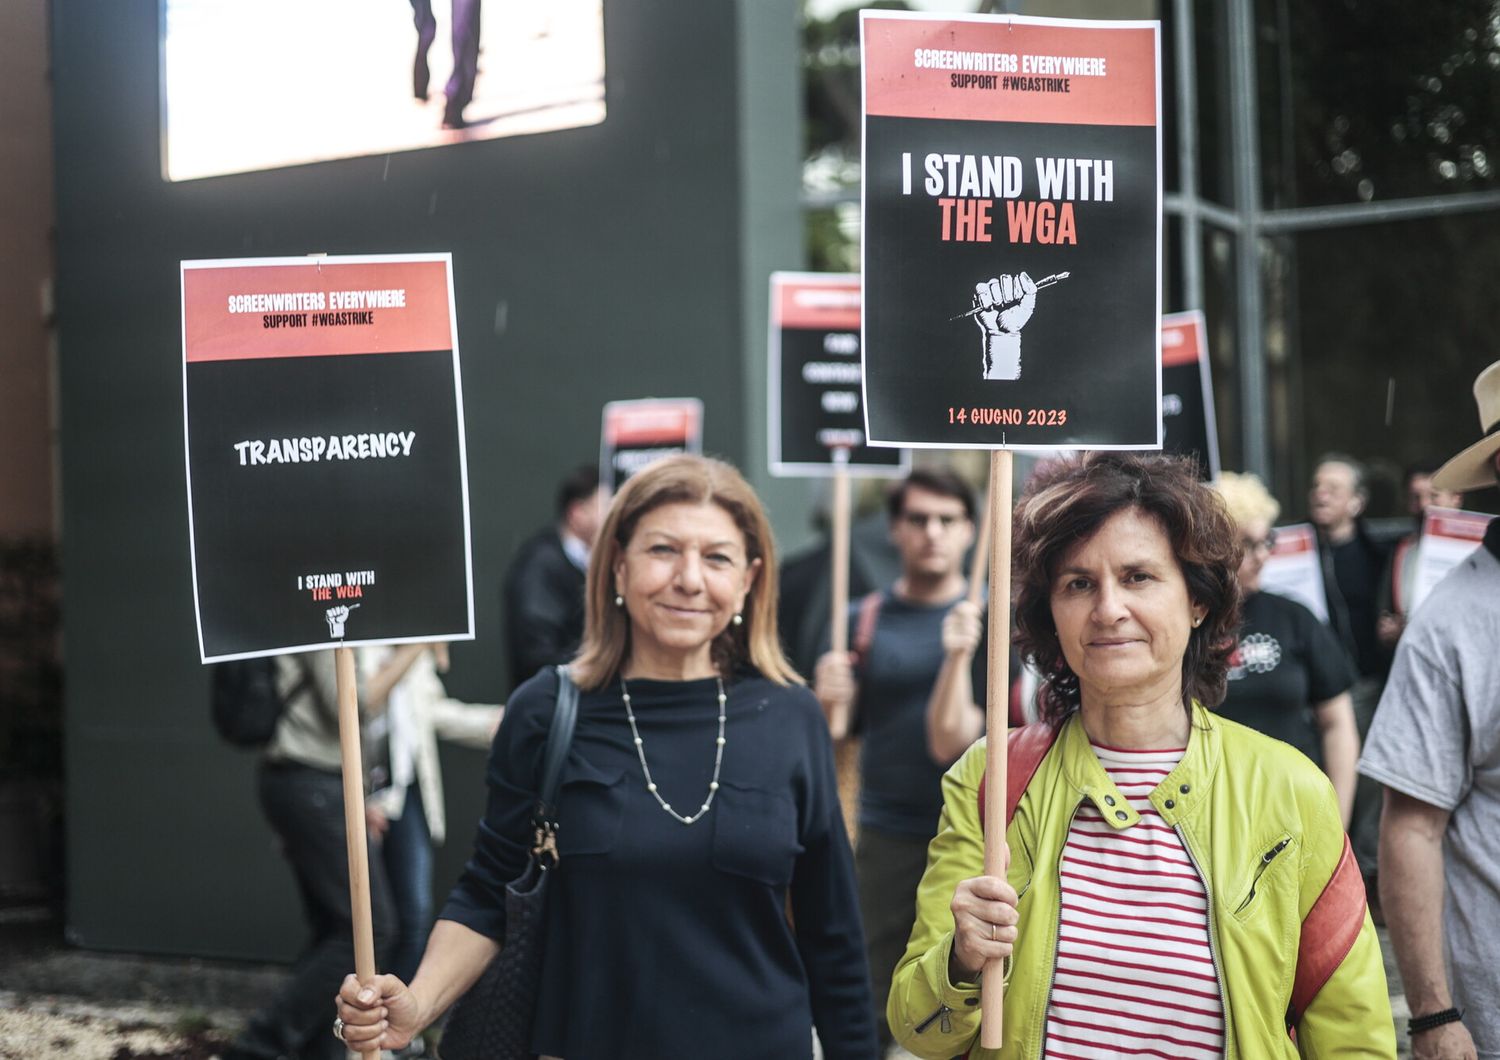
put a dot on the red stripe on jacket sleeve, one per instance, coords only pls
(1329, 931)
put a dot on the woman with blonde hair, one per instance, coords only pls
(1288, 677)
(697, 803)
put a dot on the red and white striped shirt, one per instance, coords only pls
(1135, 975)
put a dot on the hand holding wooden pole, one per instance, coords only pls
(997, 703)
(838, 635)
(354, 816)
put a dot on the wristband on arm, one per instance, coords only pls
(1417, 1024)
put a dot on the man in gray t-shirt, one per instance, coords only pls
(1435, 745)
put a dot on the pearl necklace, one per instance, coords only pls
(640, 752)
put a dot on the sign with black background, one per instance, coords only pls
(326, 474)
(1187, 401)
(1020, 155)
(634, 434)
(815, 380)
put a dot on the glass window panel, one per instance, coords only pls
(1215, 131)
(1220, 304)
(1172, 298)
(1171, 178)
(1392, 324)
(1278, 277)
(1377, 100)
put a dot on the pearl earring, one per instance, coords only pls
(619, 600)
(1197, 621)
(738, 619)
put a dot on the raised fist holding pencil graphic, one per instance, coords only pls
(336, 617)
(1002, 306)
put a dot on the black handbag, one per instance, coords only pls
(493, 1020)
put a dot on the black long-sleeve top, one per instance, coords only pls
(665, 940)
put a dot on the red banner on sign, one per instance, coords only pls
(1179, 343)
(1009, 71)
(314, 310)
(651, 425)
(801, 304)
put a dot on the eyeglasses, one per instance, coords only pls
(1268, 542)
(919, 520)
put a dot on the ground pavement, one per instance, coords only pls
(69, 1004)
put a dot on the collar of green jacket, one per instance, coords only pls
(1176, 798)
(1235, 797)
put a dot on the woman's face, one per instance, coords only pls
(1122, 612)
(684, 574)
(1256, 540)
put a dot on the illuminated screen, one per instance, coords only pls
(257, 84)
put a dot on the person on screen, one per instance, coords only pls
(465, 37)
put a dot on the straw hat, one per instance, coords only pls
(1474, 468)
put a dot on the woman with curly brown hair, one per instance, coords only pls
(1178, 885)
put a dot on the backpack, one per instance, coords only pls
(246, 706)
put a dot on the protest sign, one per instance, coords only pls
(813, 393)
(1448, 536)
(1187, 401)
(327, 490)
(1012, 232)
(328, 497)
(1011, 266)
(636, 433)
(1294, 571)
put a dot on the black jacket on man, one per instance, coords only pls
(543, 599)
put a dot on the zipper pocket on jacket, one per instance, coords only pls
(941, 1014)
(1260, 870)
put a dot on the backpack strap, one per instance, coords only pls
(1328, 932)
(864, 628)
(1024, 750)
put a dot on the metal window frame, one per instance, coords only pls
(1246, 219)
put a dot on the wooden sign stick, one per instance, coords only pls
(997, 703)
(838, 631)
(354, 816)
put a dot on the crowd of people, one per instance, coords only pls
(1193, 816)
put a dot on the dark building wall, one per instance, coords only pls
(623, 260)
(26, 412)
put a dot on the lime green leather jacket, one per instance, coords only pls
(1291, 935)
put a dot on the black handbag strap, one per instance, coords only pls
(559, 741)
